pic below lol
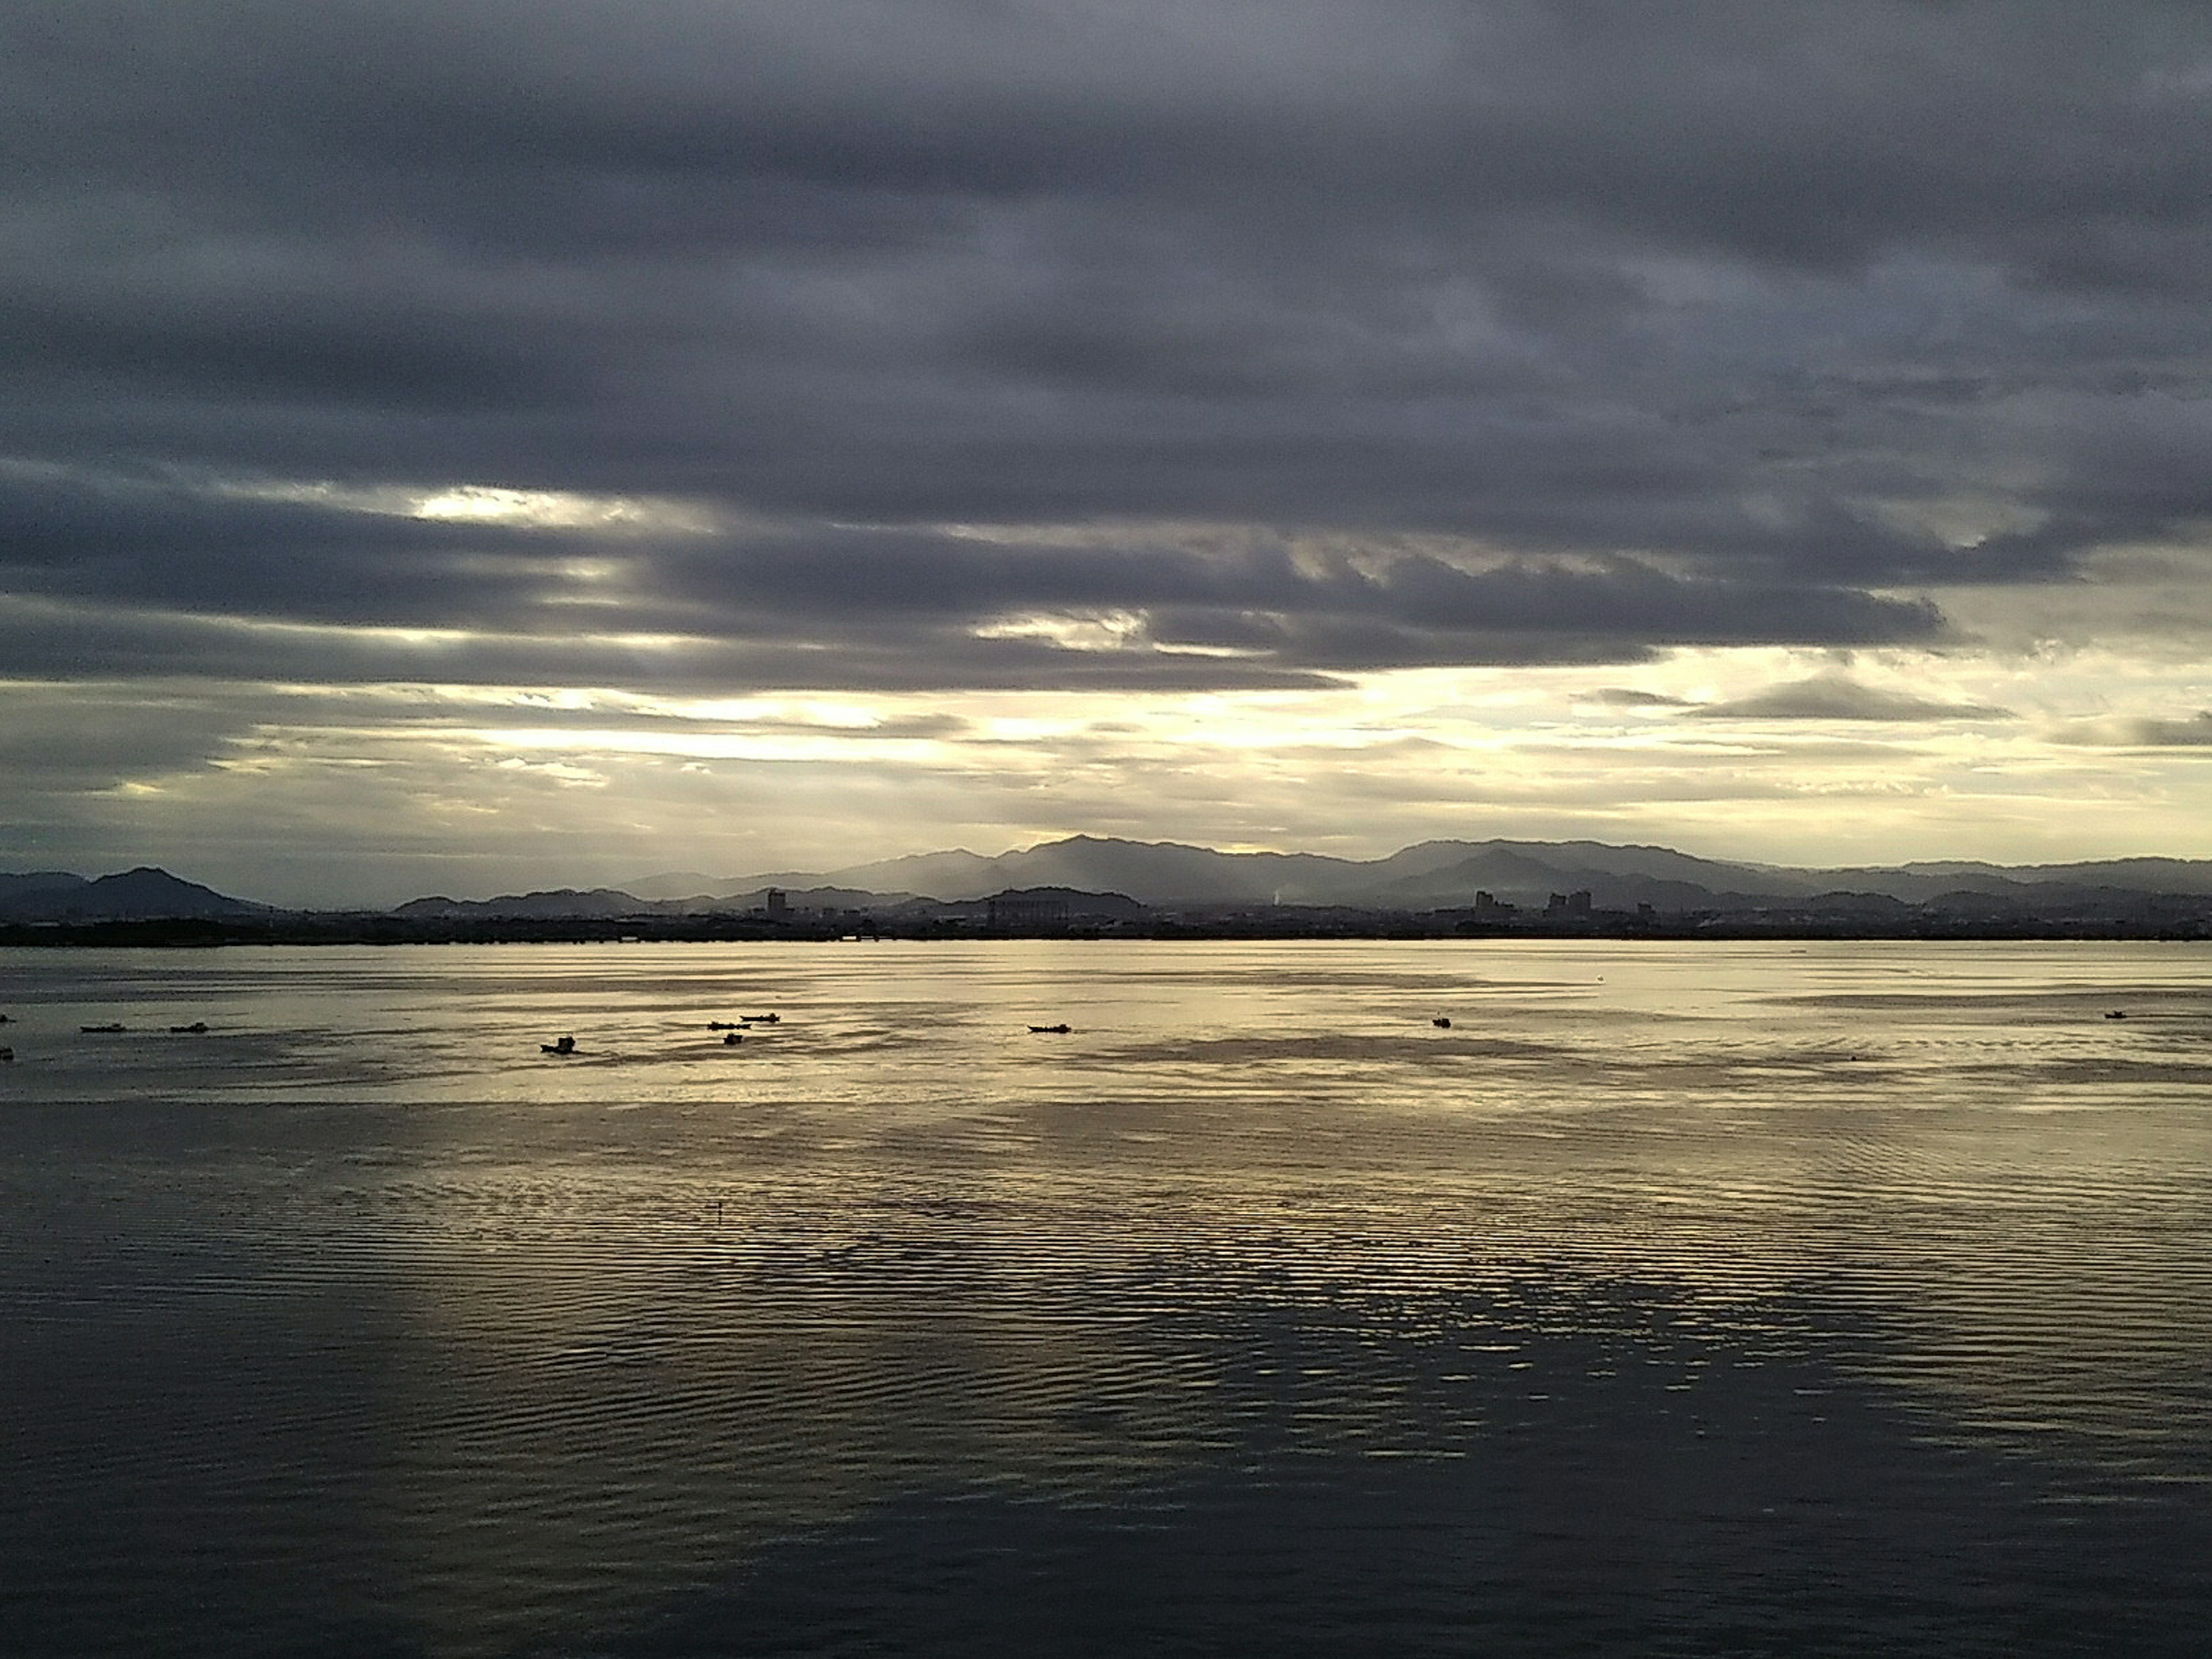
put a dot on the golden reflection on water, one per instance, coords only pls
(572, 1332)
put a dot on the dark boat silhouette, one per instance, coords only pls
(198, 1028)
(1056, 1030)
(107, 1030)
(566, 1045)
(733, 1039)
(1443, 1023)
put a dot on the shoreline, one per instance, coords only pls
(2193, 926)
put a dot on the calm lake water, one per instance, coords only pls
(1729, 1298)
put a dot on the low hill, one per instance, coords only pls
(141, 895)
(560, 903)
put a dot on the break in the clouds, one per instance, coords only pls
(1275, 361)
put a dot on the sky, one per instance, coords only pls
(460, 445)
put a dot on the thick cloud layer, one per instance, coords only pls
(1702, 323)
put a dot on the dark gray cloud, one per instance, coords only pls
(123, 564)
(1621, 696)
(80, 738)
(1712, 324)
(1838, 697)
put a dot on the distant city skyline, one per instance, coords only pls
(480, 447)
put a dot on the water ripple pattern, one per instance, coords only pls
(1733, 1298)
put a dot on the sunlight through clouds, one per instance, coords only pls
(1330, 426)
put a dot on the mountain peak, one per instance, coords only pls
(145, 892)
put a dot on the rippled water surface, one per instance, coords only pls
(1672, 1299)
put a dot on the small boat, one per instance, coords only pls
(2117, 1013)
(108, 1030)
(1056, 1030)
(566, 1045)
(764, 1019)
(733, 1039)
(723, 1025)
(198, 1028)
(6, 1054)
(1441, 1022)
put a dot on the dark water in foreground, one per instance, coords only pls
(1675, 1300)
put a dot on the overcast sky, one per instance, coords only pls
(461, 445)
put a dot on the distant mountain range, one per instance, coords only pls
(1432, 875)
(1436, 875)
